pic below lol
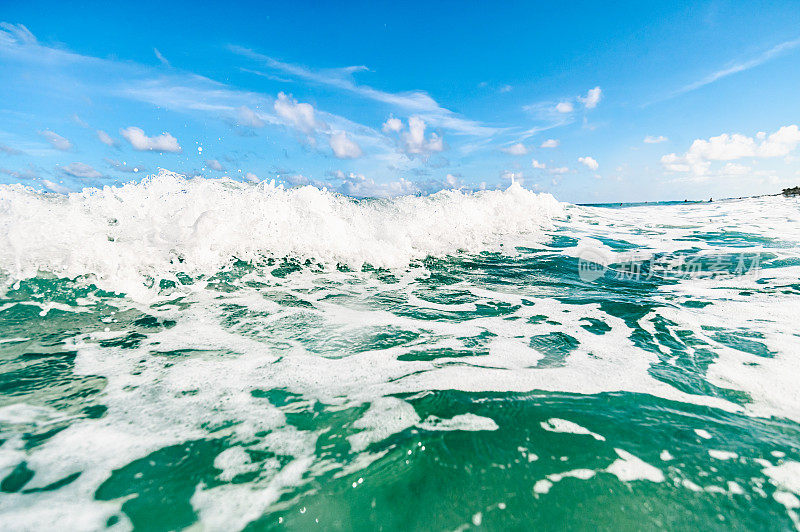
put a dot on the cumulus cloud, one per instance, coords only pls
(589, 162)
(564, 107)
(559, 171)
(735, 169)
(298, 115)
(247, 117)
(215, 165)
(105, 138)
(161, 143)
(537, 164)
(343, 147)
(730, 147)
(82, 170)
(550, 143)
(592, 98)
(392, 125)
(516, 149)
(57, 141)
(413, 140)
(253, 178)
(649, 139)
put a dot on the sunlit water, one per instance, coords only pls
(226, 356)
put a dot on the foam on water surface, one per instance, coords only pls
(265, 354)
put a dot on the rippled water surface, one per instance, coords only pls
(197, 353)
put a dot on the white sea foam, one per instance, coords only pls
(629, 467)
(563, 425)
(205, 223)
(167, 224)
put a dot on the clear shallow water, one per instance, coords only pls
(210, 354)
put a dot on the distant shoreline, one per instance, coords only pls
(682, 202)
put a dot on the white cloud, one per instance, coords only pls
(592, 98)
(78, 120)
(343, 147)
(392, 125)
(16, 33)
(537, 164)
(649, 139)
(253, 178)
(105, 138)
(179, 91)
(564, 107)
(58, 142)
(55, 187)
(772, 53)
(413, 140)
(161, 57)
(559, 171)
(82, 170)
(162, 143)
(417, 102)
(505, 88)
(735, 169)
(516, 149)
(299, 115)
(589, 162)
(730, 147)
(550, 143)
(215, 165)
(247, 117)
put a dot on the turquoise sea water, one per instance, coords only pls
(208, 355)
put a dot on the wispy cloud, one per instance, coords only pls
(161, 57)
(82, 170)
(105, 138)
(417, 102)
(770, 54)
(56, 140)
(8, 150)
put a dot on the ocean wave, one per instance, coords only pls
(165, 224)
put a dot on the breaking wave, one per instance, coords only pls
(168, 224)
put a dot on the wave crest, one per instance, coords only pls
(167, 224)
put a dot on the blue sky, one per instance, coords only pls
(588, 102)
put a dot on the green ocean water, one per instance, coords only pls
(497, 389)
